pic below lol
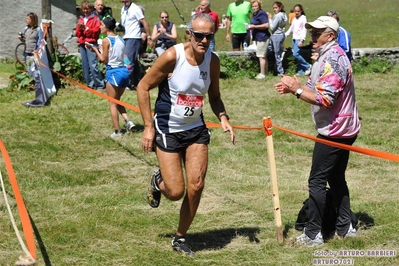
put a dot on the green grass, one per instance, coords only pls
(85, 192)
(7, 68)
(371, 23)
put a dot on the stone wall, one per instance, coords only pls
(391, 54)
(12, 20)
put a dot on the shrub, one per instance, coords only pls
(20, 79)
(291, 66)
(233, 68)
(371, 65)
(70, 66)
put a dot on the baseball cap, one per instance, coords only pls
(110, 23)
(323, 22)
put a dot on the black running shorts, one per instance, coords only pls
(177, 142)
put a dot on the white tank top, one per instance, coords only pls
(181, 97)
(116, 51)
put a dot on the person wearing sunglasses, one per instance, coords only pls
(330, 91)
(164, 33)
(184, 74)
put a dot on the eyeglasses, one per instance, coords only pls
(317, 33)
(164, 17)
(201, 36)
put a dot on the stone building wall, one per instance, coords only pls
(12, 20)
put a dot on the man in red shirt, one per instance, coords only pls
(205, 7)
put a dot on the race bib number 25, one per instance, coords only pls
(189, 105)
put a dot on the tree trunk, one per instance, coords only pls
(46, 14)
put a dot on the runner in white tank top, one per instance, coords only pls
(117, 75)
(184, 74)
(116, 51)
(180, 100)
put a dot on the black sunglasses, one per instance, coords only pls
(317, 34)
(200, 35)
(165, 17)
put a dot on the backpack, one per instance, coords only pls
(329, 218)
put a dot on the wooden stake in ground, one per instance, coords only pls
(267, 124)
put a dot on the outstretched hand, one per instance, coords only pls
(226, 126)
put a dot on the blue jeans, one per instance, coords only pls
(132, 48)
(91, 73)
(329, 165)
(278, 48)
(302, 65)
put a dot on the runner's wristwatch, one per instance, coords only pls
(298, 93)
(226, 115)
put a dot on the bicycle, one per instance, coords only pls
(20, 50)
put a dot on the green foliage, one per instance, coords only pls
(67, 65)
(372, 65)
(291, 66)
(149, 49)
(6, 60)
(234, 68)
(70, 66)
(20, 79)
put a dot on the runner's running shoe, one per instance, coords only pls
(181, 247)
(153, 194)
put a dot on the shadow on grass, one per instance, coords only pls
(40, 242)
(217, 239)
(287, 228)
(364, 222)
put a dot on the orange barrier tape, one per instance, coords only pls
(383, 155)
(94, 91)
(214, 125)
(23, 213)
(209, 124)
(380, 154)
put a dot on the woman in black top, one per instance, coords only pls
(164, 33)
